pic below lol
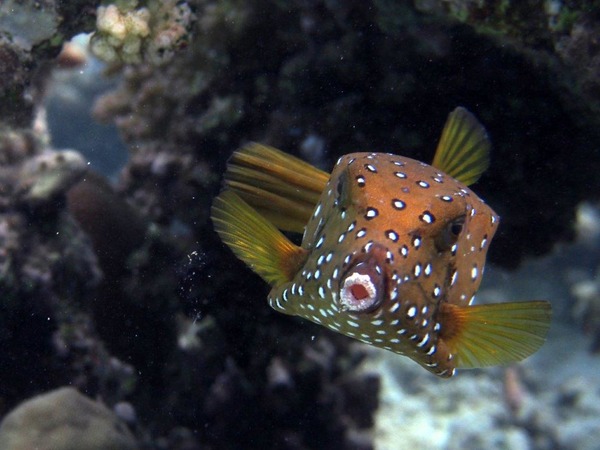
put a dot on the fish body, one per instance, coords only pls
(393, 220)
(392, 254)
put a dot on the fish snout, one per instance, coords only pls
(363, 285)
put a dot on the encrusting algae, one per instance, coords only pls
(393, 249)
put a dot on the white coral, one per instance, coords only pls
(129, 35)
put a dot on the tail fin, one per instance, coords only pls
(487, 335)
(254, 240)
(281, 187)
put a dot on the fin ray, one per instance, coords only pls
(464, 148)
(281, 187)
(268, 204)
(255, 240)
(487, 335)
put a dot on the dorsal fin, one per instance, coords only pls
(255, 240)
(281, 187)
(464, 148)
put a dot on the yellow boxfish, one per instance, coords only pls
(393, 249)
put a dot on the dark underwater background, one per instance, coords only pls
(126, 324)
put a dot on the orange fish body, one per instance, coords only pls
(392, 254)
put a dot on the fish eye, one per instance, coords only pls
(341, 189)
(340, 186)
(456, 226)
(450, 233)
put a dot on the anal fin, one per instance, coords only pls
(497, 334)
(282, 188)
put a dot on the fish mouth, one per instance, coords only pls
(363, 284)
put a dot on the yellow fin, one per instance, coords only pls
(488, 335)
(281, 187)
(464, 148)
(255, 240)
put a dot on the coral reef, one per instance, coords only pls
(585, 281)
(198, 370)
(125, 293)
(152, 33)
(355, 76)
(31, 36)
(46, 261)
(48, 268)
(587, 308)
(553, 409)
(64, 419)
(562, 36)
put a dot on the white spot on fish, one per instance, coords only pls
(398, 204)
(424, 341)
(427, 217)
(392, 235)
(320, 242)
(317, 210)
(416, 242)
(454, 278)
(371, 213)
(417, 270)
(474, 273)
(427, 270)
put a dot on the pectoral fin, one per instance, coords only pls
(488, 335)
(281, 187)
(255, 240)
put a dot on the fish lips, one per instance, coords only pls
(363, 284)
